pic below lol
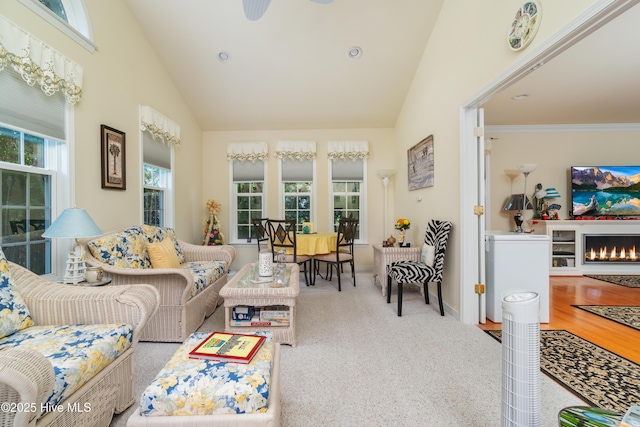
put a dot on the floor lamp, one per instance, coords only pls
(385, 174)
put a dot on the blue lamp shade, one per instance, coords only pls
(72, 223)
(552, 193)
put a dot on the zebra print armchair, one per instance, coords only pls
(407, 271)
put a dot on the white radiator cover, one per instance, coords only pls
(521, 401)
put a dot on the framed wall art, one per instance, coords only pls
(420, 163)
(112, 155)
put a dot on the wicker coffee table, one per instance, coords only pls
(246, 288)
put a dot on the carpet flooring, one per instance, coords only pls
(356, 363)
(597, 376)
(627, 315)
(629, 281)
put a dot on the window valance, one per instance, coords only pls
(296, 150)
(159, 126)
(351, 150)
(248, 151)
(38, 63)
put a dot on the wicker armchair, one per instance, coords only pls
(27, 377)
(180, 312)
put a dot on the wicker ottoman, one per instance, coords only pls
(212, 389)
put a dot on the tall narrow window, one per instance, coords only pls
(248, 196)
(348, 184)
(27, 193)
(156, 180)
(297, 171)
(297, 184)
(159, 135)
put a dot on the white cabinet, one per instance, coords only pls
(565, 246)
(516, 262)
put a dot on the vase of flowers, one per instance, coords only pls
(402, 224)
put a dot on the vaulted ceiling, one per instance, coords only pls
(291, 69)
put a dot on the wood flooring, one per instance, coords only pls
(568, 290)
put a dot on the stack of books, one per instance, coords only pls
(274, 315)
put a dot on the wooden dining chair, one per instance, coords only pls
(343, 253)
(282, 235)
(261, 232)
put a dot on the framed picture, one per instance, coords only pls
(112, 154)
(420, 163)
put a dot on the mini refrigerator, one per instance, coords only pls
(516, 262)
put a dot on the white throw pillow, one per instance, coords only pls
(428, 254)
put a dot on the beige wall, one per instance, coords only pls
(554, 153)
(467, 49)
(381, 156)
(122, 74)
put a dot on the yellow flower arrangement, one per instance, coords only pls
(403, 224)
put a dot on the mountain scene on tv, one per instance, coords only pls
(606, 190)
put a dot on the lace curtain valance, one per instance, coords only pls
(159, 126)
(296, 150)
(248, 151)
(38, 63)
(348, 150)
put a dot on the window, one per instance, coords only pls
(248, 197)
(156, 182)
(26, 193)
(68, 16)
(297, 188)
(347, 189)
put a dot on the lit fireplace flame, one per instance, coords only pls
(603, 254)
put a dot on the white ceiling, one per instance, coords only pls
(290, 69)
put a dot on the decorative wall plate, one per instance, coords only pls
(525, 25)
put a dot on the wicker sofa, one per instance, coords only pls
(66, 352)
(189, 292)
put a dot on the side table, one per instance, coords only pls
(384, 256)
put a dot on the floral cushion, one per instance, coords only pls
(203, 387)
(126, 249)
(14, 314)
(77, 352)
(158, 234)
(204, 273)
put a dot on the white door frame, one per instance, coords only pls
(589, 21)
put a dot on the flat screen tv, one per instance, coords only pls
(598, 191)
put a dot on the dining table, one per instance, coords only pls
(322, 242)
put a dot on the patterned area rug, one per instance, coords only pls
(624, 280)
(597, 376)
(624, 314)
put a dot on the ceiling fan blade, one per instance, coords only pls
(322, 1)
(254, 9)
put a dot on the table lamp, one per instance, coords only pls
(73, 224)
(518, 203)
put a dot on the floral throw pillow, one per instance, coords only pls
(14, 314)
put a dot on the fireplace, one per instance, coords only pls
(611, 248)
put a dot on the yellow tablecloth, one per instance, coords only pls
(316, 243)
